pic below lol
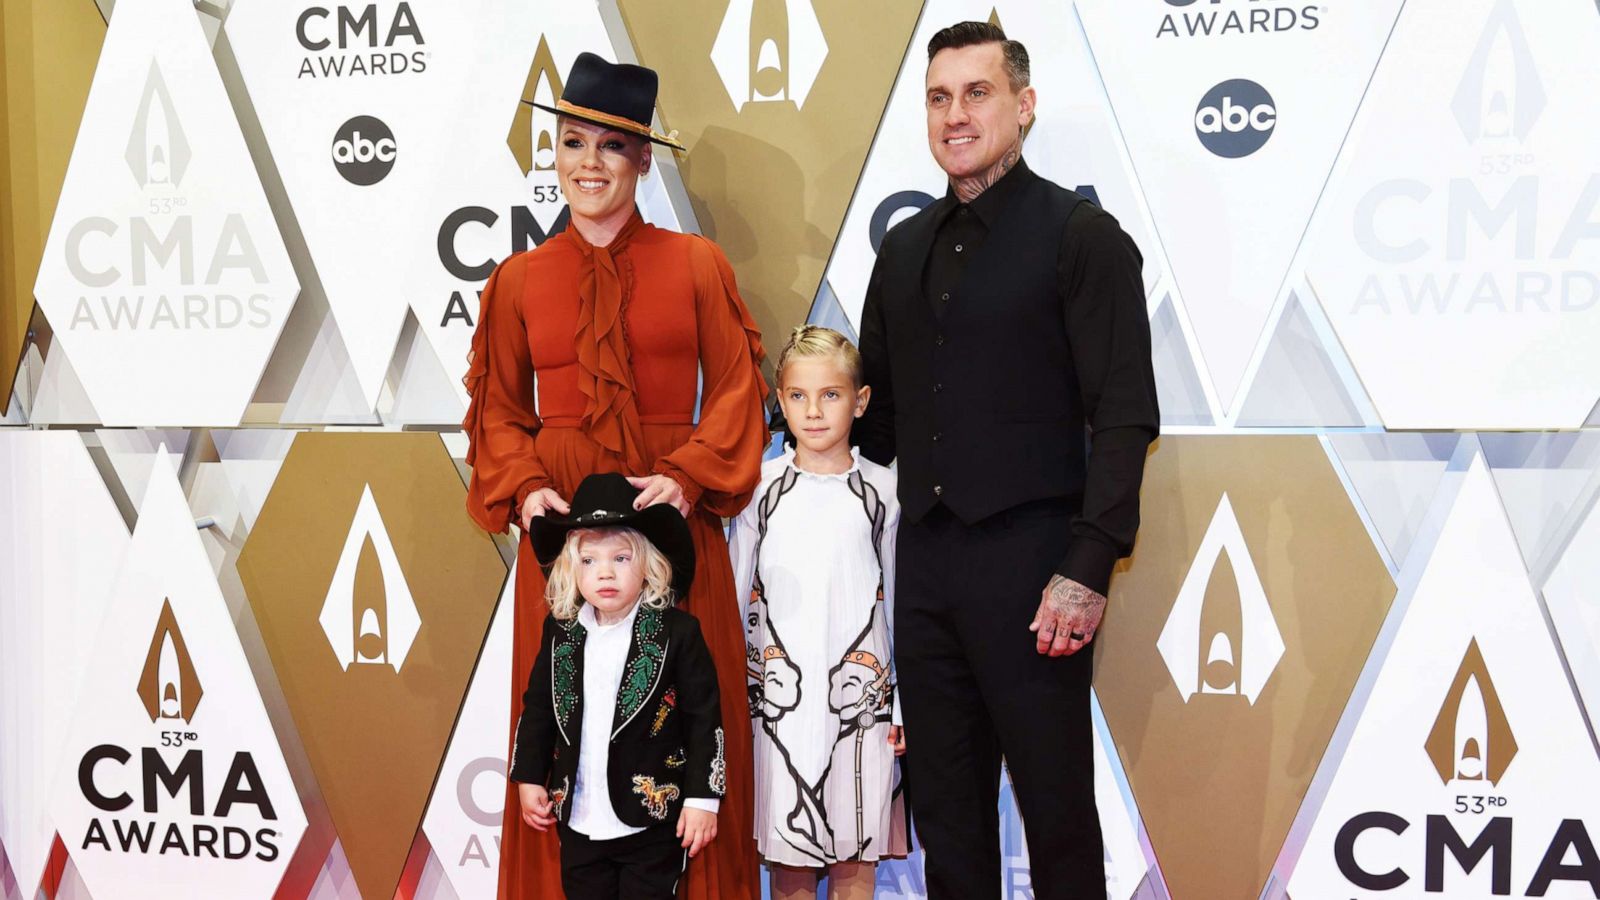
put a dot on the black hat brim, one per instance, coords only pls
(660, 523)
(651, 136)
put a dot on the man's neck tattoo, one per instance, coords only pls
(967, 189)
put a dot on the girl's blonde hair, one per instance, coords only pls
(561, 587)
(812, 341)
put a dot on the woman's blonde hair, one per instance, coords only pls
(812, 341)
(561, 587)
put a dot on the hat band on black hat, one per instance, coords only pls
(621, 123)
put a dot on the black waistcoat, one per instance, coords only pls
(988, 412)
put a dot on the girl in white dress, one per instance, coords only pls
(813, 556)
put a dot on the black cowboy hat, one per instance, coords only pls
(612, 95)
(606, 501)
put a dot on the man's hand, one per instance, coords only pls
(540, 502)
(1069, 615)
(697, 827)
(655, 489)
(536, 806)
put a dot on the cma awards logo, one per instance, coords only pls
(1221, 637)
(1501, 94)
(1471, 738)
(1235, 118)
(1493, 195)
(364, 150)
(168, 686)
(769, 51)
(369, 616)
(1240, 17)
(347, 41)
(1470, 747)
(159, 244)
(532, 138)
(172, 771)
(158, 153)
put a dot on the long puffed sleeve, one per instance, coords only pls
(720, 464)
(501, 422)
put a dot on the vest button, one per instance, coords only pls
(938, 490)
(938, 341)
(937, 388)
(936, 436)
(958, 248)
(944, 296)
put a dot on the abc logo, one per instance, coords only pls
(1235, 118)
(363, 150)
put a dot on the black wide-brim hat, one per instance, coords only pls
(611, 95)
(606, 501)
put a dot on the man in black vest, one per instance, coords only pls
(1008, 349)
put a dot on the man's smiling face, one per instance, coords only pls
(974, 116)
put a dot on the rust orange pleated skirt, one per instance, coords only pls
(530, 866)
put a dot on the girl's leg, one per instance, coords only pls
(793, 882)
(851, 880)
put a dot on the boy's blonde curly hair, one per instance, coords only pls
(561, 587)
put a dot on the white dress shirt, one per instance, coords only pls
(605, 654)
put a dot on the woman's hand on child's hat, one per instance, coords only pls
(655, 489)
(540, 502)
(536, 806)
(697, 827)
(897, 739)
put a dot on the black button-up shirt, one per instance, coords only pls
(960, 233)
(1104, 530)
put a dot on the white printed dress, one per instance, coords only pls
(813, 560)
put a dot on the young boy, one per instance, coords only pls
(620, 744)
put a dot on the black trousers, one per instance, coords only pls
(643, 866)
(974, 689)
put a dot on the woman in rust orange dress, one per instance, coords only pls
(607, 330)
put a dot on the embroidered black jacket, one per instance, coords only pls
(666, 735)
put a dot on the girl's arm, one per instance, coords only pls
(742, 553)
(890, 535)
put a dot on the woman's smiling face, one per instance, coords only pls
(599, 168)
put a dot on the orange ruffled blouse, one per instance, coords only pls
(588, 359)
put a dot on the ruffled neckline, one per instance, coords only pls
(855, 465)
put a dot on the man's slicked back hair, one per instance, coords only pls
(970, 34)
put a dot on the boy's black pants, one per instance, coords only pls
(639, 866)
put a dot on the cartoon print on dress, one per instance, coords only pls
(780, 693)
(860, 694)
(655, 799)
(756, 617)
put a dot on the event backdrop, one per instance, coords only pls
(252, 646)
